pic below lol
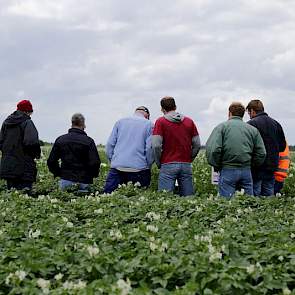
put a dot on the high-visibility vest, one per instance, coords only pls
(284, 164)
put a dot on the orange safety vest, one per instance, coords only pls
(284, 164)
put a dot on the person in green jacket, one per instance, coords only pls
(233, 148)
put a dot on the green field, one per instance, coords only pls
(144, 242)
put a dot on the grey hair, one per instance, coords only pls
(78, 120)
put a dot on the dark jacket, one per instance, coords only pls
(274, 141)
(235, 144)
(19, 143)
(80, 161)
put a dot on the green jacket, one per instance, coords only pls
(235, 144)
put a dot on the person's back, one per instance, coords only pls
(175, 143)
(274, 140)
(233, 148)
(239, 139)
(19, 143)
(127, 146)
(129, 151)
(80, 161)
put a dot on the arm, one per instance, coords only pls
(112, 142)
(281, 139)
(196, 145)
(259, 152)
(1, 137)
(214, 148)
(157, 142)
(31, 140)
(52, 162)
(148, 147)
(94, 160)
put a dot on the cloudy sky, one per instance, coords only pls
(105, 57)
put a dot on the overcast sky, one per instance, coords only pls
(105, 57)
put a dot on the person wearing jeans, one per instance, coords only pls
(74, 157)
(129, 151)
(232, 149)
(274, 140)
(176, 143)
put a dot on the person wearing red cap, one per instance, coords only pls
(19, 143)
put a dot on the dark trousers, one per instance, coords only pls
(116, 177)
(278, 187)
(19, 185)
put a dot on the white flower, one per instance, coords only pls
(103, 165)
(281, 258)
(98, 211)
(250, 269)
(116, 234)
(20, 274)
(153, 216)
(35, 234)
(44, 285)
(215, 256)
(58, 277)
(286, 291)
(92, 250)
(8, 278)
(164, 247)
(137, 184)
(70, 224)
(53, 200)
(239, 211)
(152, 228)
(153, 246)
(65, 219)
(124, 286)
(72, 286)
(292, 236)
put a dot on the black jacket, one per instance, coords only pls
(80, 161)
(19, 143)
(274, 140)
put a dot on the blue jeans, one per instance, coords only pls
(64, 184)
(182, 172)
(232, 179)
(116, 177)
(265, 185)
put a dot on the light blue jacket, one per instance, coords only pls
(129, 144)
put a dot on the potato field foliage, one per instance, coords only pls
(138, 241)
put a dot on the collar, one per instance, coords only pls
(77, 130)
(236, 118)
(261, 114)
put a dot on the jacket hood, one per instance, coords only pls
(16, 118)
(174, 117)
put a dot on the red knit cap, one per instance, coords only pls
(25, 106)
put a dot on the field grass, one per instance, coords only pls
(143, 242)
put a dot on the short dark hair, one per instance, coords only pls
(168, 103)
(78, 120)
(256, 105)
(237, 109)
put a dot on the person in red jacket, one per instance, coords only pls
(175, 143)
(283, 169)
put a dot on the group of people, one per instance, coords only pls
(247, 155)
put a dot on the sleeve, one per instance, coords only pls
(112, 142)
(196, 142)
(259, 152)
(1, 137)
(31, 140)
(214, 148)
(93, 160)
(148, 146)
(281, 139)
(53, 160)
(157, 142)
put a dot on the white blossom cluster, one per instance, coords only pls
(19, 274)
